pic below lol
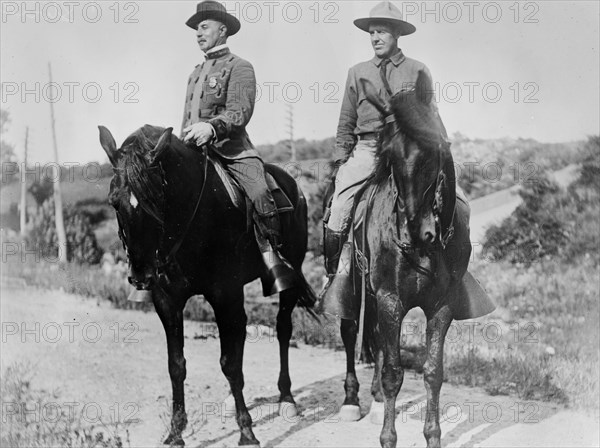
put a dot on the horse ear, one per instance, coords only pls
(424, 87)
(108, 144)
(162, 146)
(373, 97)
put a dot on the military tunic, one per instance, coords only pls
(222, 92)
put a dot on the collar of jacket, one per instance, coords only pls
(397, 59)
(217, 52)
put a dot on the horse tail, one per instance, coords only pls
(369, 342)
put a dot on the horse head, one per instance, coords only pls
(412, 145)
(136, 194)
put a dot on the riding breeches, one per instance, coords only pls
(250, 175)
(349, 179)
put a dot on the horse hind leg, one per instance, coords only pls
(433, 372)
(287, 302)
(231, 321)
(350, 410)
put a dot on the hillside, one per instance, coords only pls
(483, 167)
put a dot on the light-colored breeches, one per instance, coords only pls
(349, 179)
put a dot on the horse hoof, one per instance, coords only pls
(350, 413)
(376, 413)
(287, 409)
(248, 442)
(173, 440)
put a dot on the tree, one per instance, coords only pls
(590, 167)
(41, 190)
(7, 150)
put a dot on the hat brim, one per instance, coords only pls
(232, 23)
(404, 28)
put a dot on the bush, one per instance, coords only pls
(82, 246)
(550, 221)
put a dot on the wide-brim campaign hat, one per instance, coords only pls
(210, 9)
(385, 12)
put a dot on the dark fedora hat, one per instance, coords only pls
(385, 12)
(210, 9)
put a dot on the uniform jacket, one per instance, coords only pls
(222, 92)
(359, 116)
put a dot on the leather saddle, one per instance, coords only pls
(237, 196)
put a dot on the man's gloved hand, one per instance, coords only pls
(201, 133)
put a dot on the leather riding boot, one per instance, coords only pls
(332, 247)
(337, 297)
(280, 275)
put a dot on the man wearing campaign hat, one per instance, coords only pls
(356, 140)
(219, 104)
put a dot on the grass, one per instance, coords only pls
(547, 345)
(33, 418)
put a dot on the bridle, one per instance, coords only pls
(437, 205)
(163, 263)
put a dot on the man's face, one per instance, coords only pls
(210, 33)
(383, 39)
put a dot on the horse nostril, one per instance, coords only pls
(429, 237)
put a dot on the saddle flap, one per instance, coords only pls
(282, 202)
(471, 300)
(237, 196)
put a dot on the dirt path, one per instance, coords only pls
(113, 362)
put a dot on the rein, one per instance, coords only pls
(171, 255)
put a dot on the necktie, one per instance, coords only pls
(383, 74)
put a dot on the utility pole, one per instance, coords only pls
(290, 120)
(58, 209)
(23, 215)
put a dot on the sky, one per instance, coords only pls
(501, 69)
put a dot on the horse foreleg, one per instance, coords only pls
(350, 410)
(171, 316)
(287, 301)
(231, 320)
(392, 374)
(376, 412)
(433, 372)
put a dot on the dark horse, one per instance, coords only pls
(417, 246)
(184, 236)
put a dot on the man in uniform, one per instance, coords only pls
(219, 104)
(356, 140)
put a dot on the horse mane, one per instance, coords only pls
(420, 124)
(135, 163)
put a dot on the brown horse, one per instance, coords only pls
(417, 246)
(184, 236)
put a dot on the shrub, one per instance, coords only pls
(82, 246)
(534, 230)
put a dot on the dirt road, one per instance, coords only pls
(112, 363)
